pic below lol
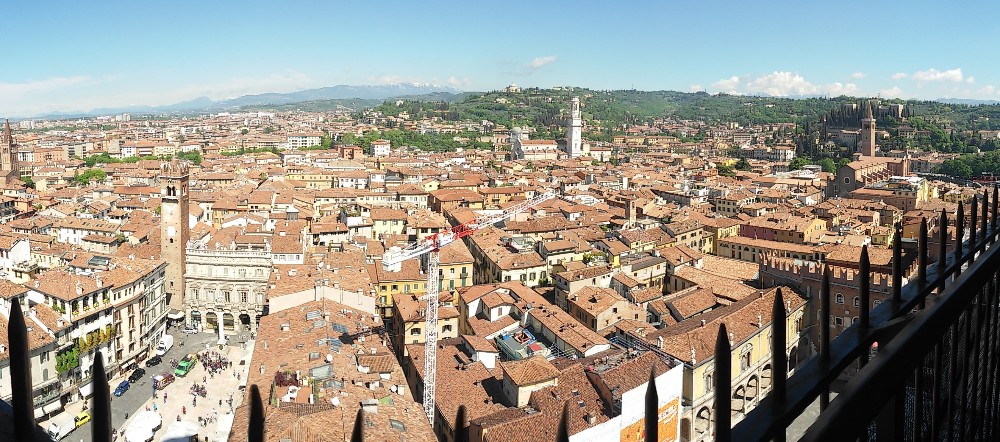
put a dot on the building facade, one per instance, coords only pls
(226, 284)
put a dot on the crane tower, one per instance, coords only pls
(392, 261)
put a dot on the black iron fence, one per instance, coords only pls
(926, 359)
(935, 375)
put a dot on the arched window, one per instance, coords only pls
(709, 381)
(857, 301)
(840, 298)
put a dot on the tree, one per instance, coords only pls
(956, 168)
(725, 170)
(843, 162)
(798, 163)
(90, 175)
(742, 164)
(28, 182)
(828, 165)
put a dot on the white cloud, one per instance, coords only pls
(893, 92)
(837, 89)
(780, 84)
(10, 91)
(538, 62)
(858, 75)
(696, 88)
(987, 91)
(727, 85)
(953, 75)
(456, 82)
(970, 80)
(899, 75)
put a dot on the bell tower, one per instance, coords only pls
(174, 229)
(8, 155)
(574, 130)
(868, 131)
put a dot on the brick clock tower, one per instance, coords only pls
(8, 156)
(868, 131)
(174, 229)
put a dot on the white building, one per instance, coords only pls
(303, 140)
(381, 148)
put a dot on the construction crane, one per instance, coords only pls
(392, 261)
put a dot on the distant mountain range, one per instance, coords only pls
(342, 92)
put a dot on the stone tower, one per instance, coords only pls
(574, 130)
(868, 132)
(174, 228)
(8, 156)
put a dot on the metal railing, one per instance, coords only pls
(934, 372)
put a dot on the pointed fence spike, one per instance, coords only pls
(255, 426)
(996, 197)
(723, 386)
(985, 218)
(922, 261)
(563, 432)
(942, 263)
(652, 407)
(959, 233)
(101, 420)
(358, 434)
(779, 361)
(973, 219)
(897, 263)
(461, 421)
(20, 374)
(865, 289)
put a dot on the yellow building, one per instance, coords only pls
(456, 269)
(409, 279)
(408, 326)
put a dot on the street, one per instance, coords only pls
(140, 392)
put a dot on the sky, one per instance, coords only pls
(79, 56)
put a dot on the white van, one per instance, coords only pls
(166, 342)
(61, 426)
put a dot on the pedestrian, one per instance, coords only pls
(220, 403)
(184, 410)
(154, 406)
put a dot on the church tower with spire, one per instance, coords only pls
(8, 155)
(868, 131)
(574, 130)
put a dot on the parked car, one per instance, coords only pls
(136, 375)
(153, 361)
(122, 388)
(189, 330)
(82, 418)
